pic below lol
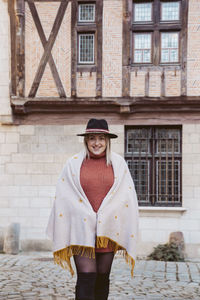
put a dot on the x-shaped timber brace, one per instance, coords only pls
(18, 61)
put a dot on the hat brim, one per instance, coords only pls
(110, 135)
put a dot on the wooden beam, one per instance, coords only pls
(11, 12)
(108, 106)
(20, 47)
(126, 49)
(183, 45)
(99, 32)
(73, 47)
(52, 65)
(48, 48)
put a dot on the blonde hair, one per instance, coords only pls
(108, 151)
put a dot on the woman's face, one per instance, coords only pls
(96, 143)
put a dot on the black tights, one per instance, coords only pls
(101, 264)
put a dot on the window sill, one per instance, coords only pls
(161, 211)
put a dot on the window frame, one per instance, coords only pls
(151, 57)
(133, 10)
(170, 21)
(85, 21)
(153, 157)
(86, 62)
(86, 27)
(156, 27)
(160, 52)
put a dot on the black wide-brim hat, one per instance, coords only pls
(98, 126)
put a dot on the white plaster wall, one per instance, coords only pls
(4, 60)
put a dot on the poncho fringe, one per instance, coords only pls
(62, 257)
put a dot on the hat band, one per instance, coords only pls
(96, 130)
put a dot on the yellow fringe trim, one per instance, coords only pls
(62, 257)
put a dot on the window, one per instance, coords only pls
(142, 12)
(142, 47)
(153, 155)
(86, 31)
(86, 48)
(170, 11)
(156, 32)
(169, 47)
(86, 13)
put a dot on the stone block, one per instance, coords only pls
(187, 169)
(43, 158)
(29, 139)
(39, 202)
(52, 168)
(5, 202)
(30, 212)
(46, 191)
(26, 129)
(7, 149)
(2, 137)
(9, 192)
(35, 168)
(6, 180)
(21, 158)
(24, 148)
(11, 239)
(29, 191)
(22, 180)
(38, 148)
(12, 137)
(148, 223)
(16, 168)
(41, 179)
(36, 245)
(196, 169)
(45, 212)
(4, 159)
(20, 202)
(195, 237)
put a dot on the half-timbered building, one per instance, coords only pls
(135, 63)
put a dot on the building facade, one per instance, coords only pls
(135, 63)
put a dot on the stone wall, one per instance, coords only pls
(31, 158)
(5, 108)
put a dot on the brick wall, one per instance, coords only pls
(61, 51)
(193, 58)
(173, 83)
(154, 84)
(86, 84)
(137, 86)
(112, 48)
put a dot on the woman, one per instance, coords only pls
(95, 213)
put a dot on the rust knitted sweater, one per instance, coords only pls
(96, 180)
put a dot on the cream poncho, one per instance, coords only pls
(73, 225)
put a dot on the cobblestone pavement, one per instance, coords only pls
(34, 276)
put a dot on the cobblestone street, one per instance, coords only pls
(34, 276)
